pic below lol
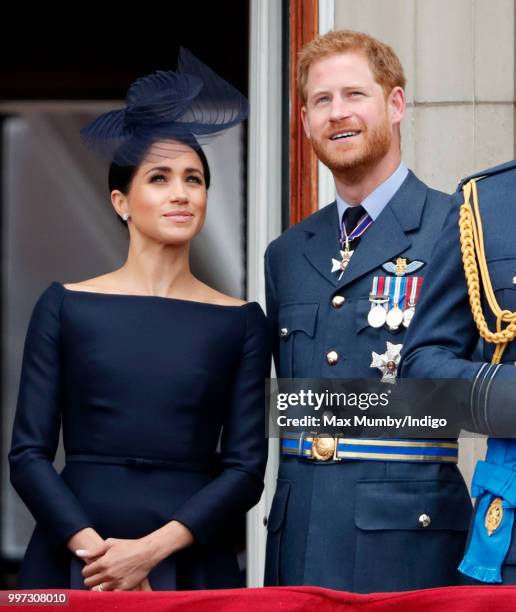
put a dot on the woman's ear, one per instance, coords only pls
(119, 201)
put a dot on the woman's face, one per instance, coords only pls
(166, 201)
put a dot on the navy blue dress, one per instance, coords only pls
(142, 387)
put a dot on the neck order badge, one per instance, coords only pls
(347, 236)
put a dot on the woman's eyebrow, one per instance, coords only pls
(160, 168)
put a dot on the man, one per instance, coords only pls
(472, 295)
(341, 288)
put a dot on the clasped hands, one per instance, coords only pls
(122, 564)
(117, 565)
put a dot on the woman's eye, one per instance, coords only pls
(193, 178)
(158, 178)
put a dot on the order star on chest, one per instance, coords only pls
(388, 362)
(341, 265)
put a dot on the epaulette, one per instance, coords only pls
(510, 165)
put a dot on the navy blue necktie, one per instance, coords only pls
(351, 217)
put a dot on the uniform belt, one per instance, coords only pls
(326, 448)
(141, 462)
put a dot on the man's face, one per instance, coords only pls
(347, 117)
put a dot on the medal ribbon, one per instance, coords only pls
(381, 286)
(413, 290)
(376, 295)
(374, 292)
(380, 290)
(364, 223)
(397, 290)
(386, 290)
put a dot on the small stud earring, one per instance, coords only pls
(125, 216)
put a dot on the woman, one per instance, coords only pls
(145, 366)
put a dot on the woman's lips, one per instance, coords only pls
(179, 217)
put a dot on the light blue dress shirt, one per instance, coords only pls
(378, 199)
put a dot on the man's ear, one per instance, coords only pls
(304, 119)
(396, 104)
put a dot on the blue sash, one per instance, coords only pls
(492, 479)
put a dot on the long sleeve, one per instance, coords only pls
(272, 308)
(441, 341)
(243, 443)
(37, 425)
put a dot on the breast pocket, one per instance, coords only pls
(362, 308)
(411, 534)
(296, 328)
(503, 278)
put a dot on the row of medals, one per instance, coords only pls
(394, 318)
(378, 316)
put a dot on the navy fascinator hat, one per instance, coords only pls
(190, 105)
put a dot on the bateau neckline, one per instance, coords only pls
(156, 297)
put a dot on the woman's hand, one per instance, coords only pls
(123, 567)
(87, 540)
(126, 563)
(143, 586)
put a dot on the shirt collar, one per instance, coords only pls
(378, 199)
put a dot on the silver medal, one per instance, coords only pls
(394, 318)
(377, 316)
(408, 315)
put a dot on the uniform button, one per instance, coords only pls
(514, 280)
(337, 301)
(283, 332)
(332, 357)
(265, 521)
(424, 520)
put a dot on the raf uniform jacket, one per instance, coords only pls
(339, 506)
(300, 286)
(442, 344)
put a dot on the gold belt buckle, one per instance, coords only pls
(324, 448)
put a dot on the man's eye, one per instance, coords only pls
(322, 100)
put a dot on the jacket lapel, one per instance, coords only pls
(386, 238)
(323, 241)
